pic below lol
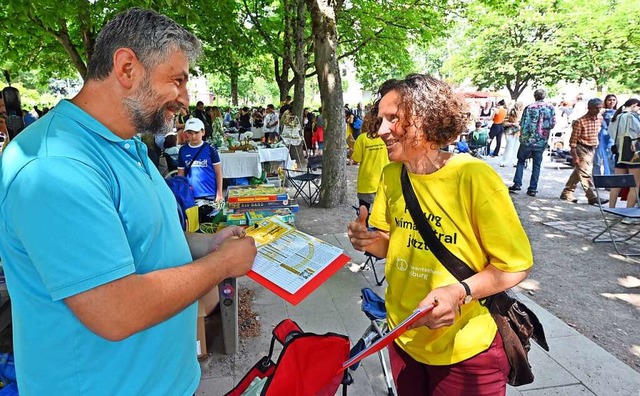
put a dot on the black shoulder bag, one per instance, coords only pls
(517, 323)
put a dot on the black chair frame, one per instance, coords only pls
(306, 183)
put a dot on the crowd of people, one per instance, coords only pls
(602, 140)
(128, 287)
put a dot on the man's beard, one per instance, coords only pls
(145, 113)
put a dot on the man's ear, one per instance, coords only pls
(126, 67)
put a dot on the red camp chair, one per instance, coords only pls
(307, 365)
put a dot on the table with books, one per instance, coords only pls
(246, 205)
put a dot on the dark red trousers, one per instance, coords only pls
(485, 374)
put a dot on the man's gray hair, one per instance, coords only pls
(540, 94)
(595, 102)
(151, 36)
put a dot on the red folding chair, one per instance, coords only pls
(307, 365)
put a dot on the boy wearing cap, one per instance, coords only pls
(200, 163)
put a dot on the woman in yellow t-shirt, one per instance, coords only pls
(371, 153)
(455, 349)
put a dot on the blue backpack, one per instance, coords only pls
(357, 123)
(183, 192)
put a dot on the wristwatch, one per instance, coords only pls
(467, 289)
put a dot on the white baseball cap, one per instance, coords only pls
(193, 124)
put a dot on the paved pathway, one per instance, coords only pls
(574, 366)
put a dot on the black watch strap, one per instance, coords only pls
(467, 290)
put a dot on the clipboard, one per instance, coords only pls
(270, 231)
(389, 337)
(308, 288)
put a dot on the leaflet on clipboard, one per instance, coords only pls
(289, 262)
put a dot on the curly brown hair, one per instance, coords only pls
(430, 105)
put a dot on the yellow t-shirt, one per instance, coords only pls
(469, 208)
(373, 156)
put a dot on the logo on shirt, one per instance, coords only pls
(401, 264)
(199, 163)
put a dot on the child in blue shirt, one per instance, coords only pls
(200, 163)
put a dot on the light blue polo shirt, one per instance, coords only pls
(81, 207)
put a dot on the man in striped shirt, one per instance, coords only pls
(583, 143)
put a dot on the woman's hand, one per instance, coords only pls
(447, 301)
(359, 235)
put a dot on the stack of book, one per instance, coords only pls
(258, 202)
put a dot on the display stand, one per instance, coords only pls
(292, 135)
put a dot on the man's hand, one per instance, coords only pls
(224, 234)
(576, 159)
(235, 254)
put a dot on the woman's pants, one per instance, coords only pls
(485, 374)
(509, 156)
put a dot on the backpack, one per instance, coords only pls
(183, 192)
(462, 147)
(309, 365)
(357, 123)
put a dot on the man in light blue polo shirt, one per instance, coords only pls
(101, 277)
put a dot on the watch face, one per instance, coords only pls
(467, 299)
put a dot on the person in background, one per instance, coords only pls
(512, 130)
(538, 119)
(203, 115)
(180, 120)
(228, 118)
(603, 157)
(217, 127)
(286, 105)
(455, 349)
(486, 113)
(200, 163)
(625, 132)
(317, 140)
(579, 109)
(583, 143)
(270, 126)
(350, 138)
(257, 117)
(497, 127)
(28, 118)
(4, 132)
(171, 147)
(104, 283)
(308, 119)
(244, 119)
(359, 111)
(371, 153)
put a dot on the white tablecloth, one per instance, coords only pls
(280, 154)
(245, 164)
(240, 164)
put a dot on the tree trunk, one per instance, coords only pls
(299, 66)
(334, 183)
(234, 87)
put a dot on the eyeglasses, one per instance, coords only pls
(191, 132)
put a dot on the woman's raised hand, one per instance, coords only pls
(359, 235)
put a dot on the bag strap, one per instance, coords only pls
(188, 167)
(453, 264)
